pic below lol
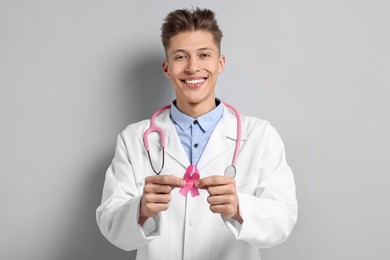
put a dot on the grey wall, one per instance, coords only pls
(75, 73)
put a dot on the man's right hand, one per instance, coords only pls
(156, 195)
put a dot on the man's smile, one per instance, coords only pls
(194, 81)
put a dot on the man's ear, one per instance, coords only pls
(222, 61)
(165, 68)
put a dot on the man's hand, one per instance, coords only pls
(156, 195)
(223, 197)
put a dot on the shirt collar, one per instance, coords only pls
(205, 121)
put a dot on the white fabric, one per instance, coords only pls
(188, 229)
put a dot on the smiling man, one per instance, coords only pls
(193, 64)
(192, 210)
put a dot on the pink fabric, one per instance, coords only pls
(191, 176)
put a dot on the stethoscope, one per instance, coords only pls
(229, 171)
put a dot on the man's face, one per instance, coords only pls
(193, 64)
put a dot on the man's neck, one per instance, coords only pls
(196, 110)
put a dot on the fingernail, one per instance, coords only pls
(197, 183)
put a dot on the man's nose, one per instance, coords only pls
(192, 65)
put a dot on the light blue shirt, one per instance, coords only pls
(194, 133)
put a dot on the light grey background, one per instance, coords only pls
(75, 73)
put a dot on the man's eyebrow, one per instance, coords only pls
(206, 49)
(200, 49)
(179, 50)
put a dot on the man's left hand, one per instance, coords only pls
(223, 197)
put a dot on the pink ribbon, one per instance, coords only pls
(191, 176)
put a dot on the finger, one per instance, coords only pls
(225, 210)
(151, 209)
(157, 188)
(166, 180)
(213, 181)
(157, 198)
(221, 199)
(221, 189)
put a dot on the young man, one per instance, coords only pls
(232, 218)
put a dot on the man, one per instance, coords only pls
(232, 218)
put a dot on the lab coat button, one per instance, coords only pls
(191, 223)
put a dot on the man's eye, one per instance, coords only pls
(180, 57)
(205, 55)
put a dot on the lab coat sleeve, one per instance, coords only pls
(117, 216)
(270, 214)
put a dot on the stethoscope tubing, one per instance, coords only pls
(238, 141)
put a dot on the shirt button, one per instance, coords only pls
(196, 145)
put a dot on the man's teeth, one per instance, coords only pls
(195, 81)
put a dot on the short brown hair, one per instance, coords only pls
(184, 20)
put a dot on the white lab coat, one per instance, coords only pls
(188, 229)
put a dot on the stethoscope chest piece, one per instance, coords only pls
(230, 171)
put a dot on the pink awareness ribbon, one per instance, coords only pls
(191, 176)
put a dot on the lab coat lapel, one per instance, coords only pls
(218, 142)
